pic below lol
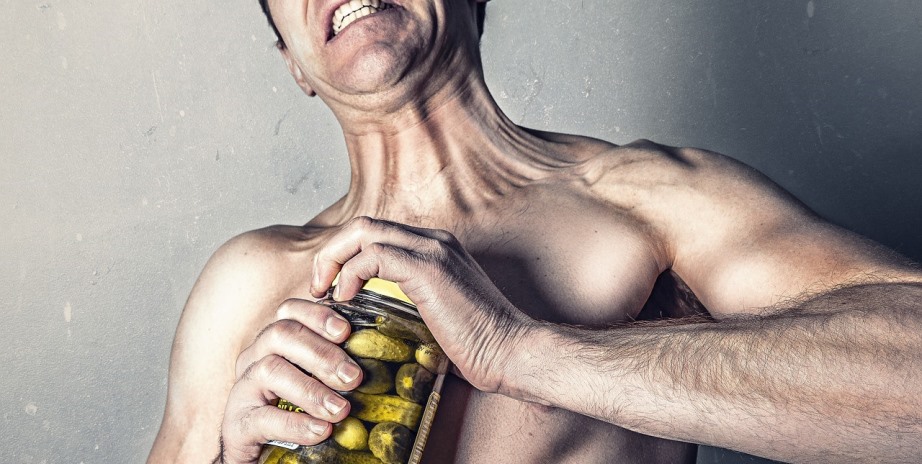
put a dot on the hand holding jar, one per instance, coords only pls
(392, 410)
(473, 322)
(303, 339)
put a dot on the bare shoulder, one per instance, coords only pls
(739, 240)
(645, 166)
(235, 296)
(668, 186)
(262, 256)
(246, 279)
(250, 272)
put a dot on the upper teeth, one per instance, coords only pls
(355, 9)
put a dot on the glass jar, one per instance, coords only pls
(393, 409)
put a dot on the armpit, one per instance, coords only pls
(671, 298)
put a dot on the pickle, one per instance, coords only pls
(378, 376)
(354, 457)
(289, 458)
(276, 455)
(430, 356)
(351, 434)
(385, 408)
(390, 442)
(395, 326)
(414, 382)
(369, 343)
(327, 454)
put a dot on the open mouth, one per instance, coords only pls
(352, 10)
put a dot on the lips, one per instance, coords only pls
(353, 10)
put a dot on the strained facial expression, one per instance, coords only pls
(365, 46)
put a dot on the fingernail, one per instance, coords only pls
(334, 404)
(336, 292)
(336, 325)
(348, 371)
(318, 427)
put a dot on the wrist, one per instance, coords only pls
(577, 369)
(532, 350)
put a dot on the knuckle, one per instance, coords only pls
(329, 354)
(301, 426)
(361, 223)
(286, 308)
(284, 332)
(379, 248)
(332, 357)
(443, 236)
(313, 392)
(266, 368)
(439, 251)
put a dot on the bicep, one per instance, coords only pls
(744, 245)
(774, 268)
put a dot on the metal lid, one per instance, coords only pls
(383, 287)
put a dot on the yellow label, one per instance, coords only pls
(284, 404)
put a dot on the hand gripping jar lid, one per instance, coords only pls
(384, 288)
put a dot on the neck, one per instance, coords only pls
(437, 159)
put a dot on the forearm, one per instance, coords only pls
(840, 376)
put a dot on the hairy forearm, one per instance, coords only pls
(840, 376)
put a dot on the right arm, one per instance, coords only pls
(230, 358)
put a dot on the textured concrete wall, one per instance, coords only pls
(137, 136)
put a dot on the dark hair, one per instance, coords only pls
(481, 14)
(265, 6)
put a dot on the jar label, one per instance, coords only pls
(284, 444)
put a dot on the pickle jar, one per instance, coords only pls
(393, 409)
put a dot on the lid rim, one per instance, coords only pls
(383, 287)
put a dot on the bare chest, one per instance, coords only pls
(566, 259)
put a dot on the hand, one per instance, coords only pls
(302, 340)
(476, 326)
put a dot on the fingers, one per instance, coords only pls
(317, 317)
(274, 377)
(293, 427)
(359, 234)
(251, 417)
(388, 262)
(308, 337)
(298, 358)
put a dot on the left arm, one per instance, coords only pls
(817, 350)
(837, 378)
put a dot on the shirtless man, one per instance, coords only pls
(544, 229)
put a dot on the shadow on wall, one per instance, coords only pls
(709, 455)
(823, 98)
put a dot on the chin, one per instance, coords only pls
(371, 71)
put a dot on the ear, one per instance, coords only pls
(295, 71)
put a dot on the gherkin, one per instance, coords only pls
(351, 434)
(369, 343)
(377, 376)
(413, 382)
(390, 442)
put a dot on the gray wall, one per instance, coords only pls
(135, 137)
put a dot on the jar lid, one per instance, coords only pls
(383, 287)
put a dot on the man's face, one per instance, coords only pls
(339, 48)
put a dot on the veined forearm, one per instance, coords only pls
(841, 376)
